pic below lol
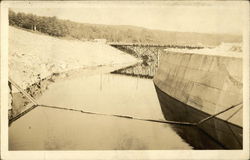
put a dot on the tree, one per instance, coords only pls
(12, 18)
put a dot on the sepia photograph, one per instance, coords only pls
(125, 76)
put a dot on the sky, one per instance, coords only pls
(204, 19)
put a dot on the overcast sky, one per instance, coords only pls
(207, 19)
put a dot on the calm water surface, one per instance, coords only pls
(55, 129)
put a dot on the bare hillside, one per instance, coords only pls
(33, 56)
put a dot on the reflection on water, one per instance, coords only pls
(46, 128)
(106, 93)
(139, 70)
(212, 134)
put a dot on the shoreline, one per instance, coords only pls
(35, 61)
(21, 103)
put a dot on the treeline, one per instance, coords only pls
(112, 33)
(48, 25)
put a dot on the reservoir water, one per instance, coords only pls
(56, 129)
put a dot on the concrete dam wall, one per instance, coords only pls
(208, 83)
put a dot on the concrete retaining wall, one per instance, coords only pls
(208, 83)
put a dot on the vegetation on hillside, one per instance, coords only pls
(114, 33)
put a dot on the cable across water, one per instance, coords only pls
(36, 104)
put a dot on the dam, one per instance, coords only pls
(193, 85)
(124, 97)
(184, 88)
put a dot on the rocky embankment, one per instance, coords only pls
(35, 58)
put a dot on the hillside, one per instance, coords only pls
(115, 33)
(34, 56)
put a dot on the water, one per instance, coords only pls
(55, 129)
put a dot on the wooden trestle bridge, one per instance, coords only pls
(155, 45)
(137, 44)
(149, 54)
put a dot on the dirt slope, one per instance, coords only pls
(34, 56)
